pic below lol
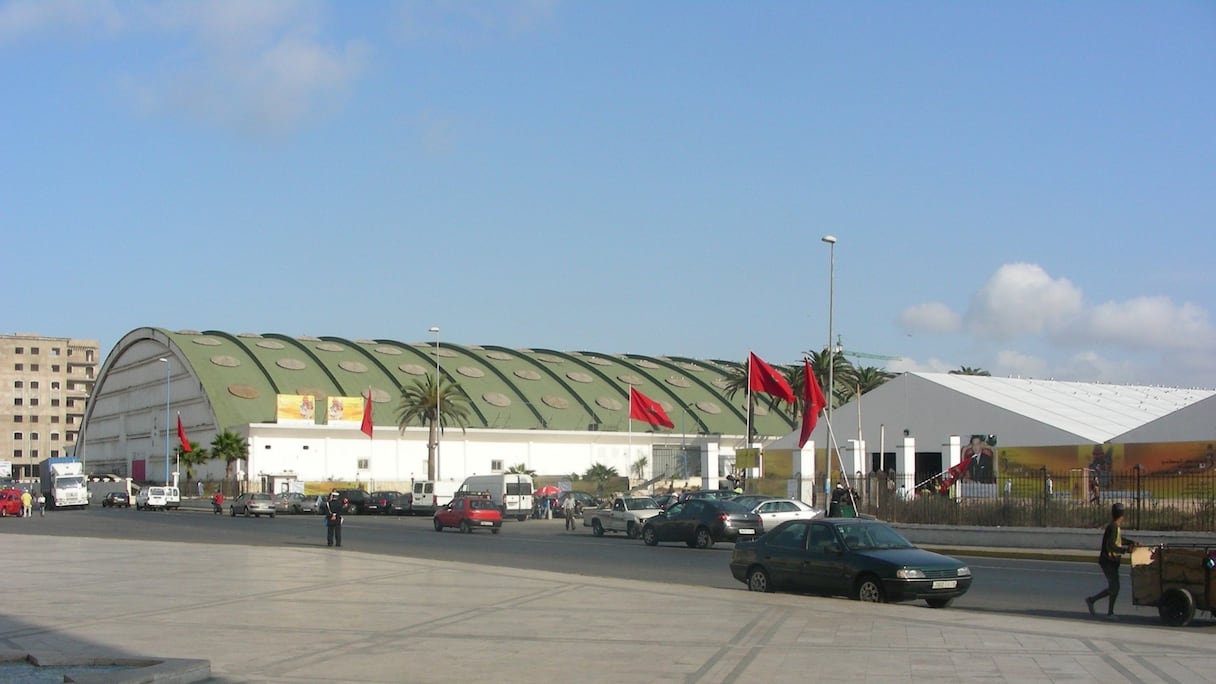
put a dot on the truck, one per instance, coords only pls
(626, 514)
(429, 496)
(63, 482)
(511, 492)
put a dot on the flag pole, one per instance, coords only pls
(747, 438)
(629, 418)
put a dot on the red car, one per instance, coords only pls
(10, 501)
(469, 512)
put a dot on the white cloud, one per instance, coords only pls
(1022, 299)
(1017, 364)
(929, 317)
(30, 18)
(1150, 323)
(932, 365)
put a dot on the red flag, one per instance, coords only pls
(181, 434)
(813, 397)
(647, 410)
(954, 473)
(367, 414)
(762, 378)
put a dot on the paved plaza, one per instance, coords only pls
(313, 614)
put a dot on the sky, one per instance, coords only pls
(1023, 187)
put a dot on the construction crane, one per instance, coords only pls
(862, 355)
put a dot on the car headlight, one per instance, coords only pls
(909, 573)
(964, 572)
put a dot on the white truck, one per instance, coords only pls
(429, 496)
(63, 483)
(626, 514)
(511, 492)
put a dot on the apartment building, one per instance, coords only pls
(44, 384)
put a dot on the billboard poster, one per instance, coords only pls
(343, 410)
(295, 408)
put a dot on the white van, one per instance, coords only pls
(429, 496)
(511, 491)
(158, 498)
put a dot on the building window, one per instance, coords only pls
(33, 453)
(54, 419)
(18, 366)
(54, 436)
(54, 453)
(16, 453)
(88, 356)
(34, 367)
(54, 351)
(33, 401)
(34, 350)
(17, 436)
(71, 420)
(20, 350)
(33, 419)
(33, 436)
(18, 418)
(55, 385)
(363, 464)
(71, 436)
(18, 384)
(496, 466)
(34, 384)
(54, 368)
(54, 402)
(18, 401)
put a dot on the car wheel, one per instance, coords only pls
(597, 528)
(631, 530)
(232, 510)
(703, 539)
(869, 589)
(521, 518)
(465, 527)
(939, 602)
(1176, 607)
(438, 525)
(757, 580)
(649, 536)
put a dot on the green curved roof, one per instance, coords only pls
(520, 389)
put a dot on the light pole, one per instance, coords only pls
(168, 368)
(831, 240)
(438, 398)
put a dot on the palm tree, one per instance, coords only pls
(968, 370)
(867, 378)
(229, 447)
(600, 474)
(418, 404)
(522, 469)
(639, 467)
(842, 374)
(195, 457)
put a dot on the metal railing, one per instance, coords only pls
(1183, 501)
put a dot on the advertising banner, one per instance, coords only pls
(295, 408)
(344, 410)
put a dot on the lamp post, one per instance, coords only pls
(831, 241)
(168, 368)
(438, 398)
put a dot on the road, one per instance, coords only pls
(1051, 589)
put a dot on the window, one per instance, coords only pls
(34, 367)
(792, 536)
(33, 419)
(20, 350)
(18, 401)
(496, 466)
(54, 368)
(71, 420)
(362, 465)
(34, 401)
(55, 385)
(54, 402)
(54, 453)
(18, 384)
(33, 436)
(54, 436)
(18, 418)
(54, 351)
(34, 350)
(54, 419)
(16, 453)
(33, 453)
(34, 384)
(18, 436)
(18, 366)
(71, 436)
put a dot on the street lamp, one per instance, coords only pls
(168, 368)
(438, 398)
(831, 241)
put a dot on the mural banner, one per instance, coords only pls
(344, 410)
(295, 409)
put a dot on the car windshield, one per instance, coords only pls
(641, 503)
(260, 497)
(728, 506)
(74, 481)
(872, 537)
(481, 504)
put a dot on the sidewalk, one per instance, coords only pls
(313, 614)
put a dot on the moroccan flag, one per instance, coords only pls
(181, 434)
(647, 410)
(954, 473)
(813, 398)
(366, 427)
(762, 378)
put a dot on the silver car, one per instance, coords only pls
(256, 504)
(776, 511)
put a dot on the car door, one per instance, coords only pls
(666, 527)
(783, 552)
(695, 510)
(823, 567)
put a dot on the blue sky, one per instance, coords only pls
(1025, 187)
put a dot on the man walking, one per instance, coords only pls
(1109, 558)
(42, 504)
(568, 510)
(332, 509)
(27, 504)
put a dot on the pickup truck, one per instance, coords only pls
(626, 514)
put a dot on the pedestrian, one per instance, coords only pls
(568, 510)
(332, 508)
(27, 504)
(42, 504)
(1109, 558)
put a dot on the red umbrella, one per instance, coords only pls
(547, 490)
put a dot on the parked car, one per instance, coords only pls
(707, 494)
(665, 500)
(467, 513)
(776, 511)
(355, 501)
(701, 522)
(293, 503)
(384, 503)
(864, 559)
(10, 501)
(116, 500)
(256, 504)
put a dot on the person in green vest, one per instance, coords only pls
(1110, 556)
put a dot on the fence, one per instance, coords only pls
(1077, 498)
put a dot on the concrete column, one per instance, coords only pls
(905, 465)
(803, 484)
(709, 465)
(854, 458)
(954, 455)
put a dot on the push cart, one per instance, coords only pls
(1178, 579)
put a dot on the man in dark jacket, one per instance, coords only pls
(1109, 559)
(332, 509)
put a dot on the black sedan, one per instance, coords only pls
(701, 522)
(385, 503)
(863, 559)
(116, 500)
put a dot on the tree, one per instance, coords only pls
(639, 467)
(229, 447)
(867, 378)
(968, 370)
(197, 456)
(842, 374)
(522, 469)
(600, 474)
(418, 405)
